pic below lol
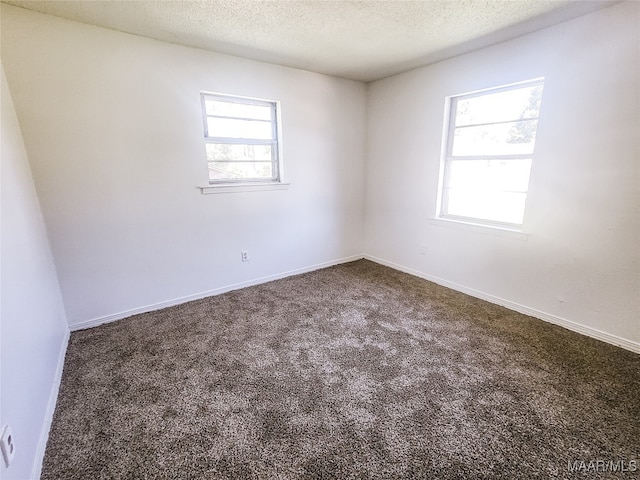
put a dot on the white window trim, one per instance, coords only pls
(484, 228)
(477, 224)
(244, 185)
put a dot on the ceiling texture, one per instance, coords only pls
(362, 40)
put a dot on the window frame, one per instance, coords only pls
(275, 142)
(447, 157)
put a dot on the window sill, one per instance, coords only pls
(243, 187)
(480, 228)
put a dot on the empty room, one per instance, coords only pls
(320, 239)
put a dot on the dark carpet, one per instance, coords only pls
(352, 372)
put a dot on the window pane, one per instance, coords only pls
(217, 151)
(241, 171)
(243, 110)
(482, 179)
(499, 139)
(224, 127)
(506, 207)
(484, 175)
(499, 107)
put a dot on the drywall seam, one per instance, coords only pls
(547, 317)
(51, 407)
(216, 291)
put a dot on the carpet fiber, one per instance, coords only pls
(356, 371)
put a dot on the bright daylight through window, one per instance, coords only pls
(241, 139)
(488, 153)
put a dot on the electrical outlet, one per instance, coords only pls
(244, 255)
(7, 443)
(423, 249)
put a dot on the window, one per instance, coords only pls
(487, 154)
(241, 139)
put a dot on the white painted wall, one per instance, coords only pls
(33, 328)
(113, 128)
(580, 262)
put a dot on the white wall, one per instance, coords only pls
(111, 123)
(580, 262)
(33, 329)
(113, 128)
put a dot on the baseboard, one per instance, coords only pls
(51, 407)
(547, 317)
(209, 293)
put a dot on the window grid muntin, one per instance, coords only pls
(273, 141)
(449, 157)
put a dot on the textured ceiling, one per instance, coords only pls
(359, 39)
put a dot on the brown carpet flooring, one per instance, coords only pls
(351, 372)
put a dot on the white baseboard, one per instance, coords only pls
(51, 407)
(547, 317)
(53, 396)
(217, 291)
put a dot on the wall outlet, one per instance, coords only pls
(244, 255)
(423, 249)
(7, 444)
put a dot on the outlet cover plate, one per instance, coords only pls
(7, 444)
